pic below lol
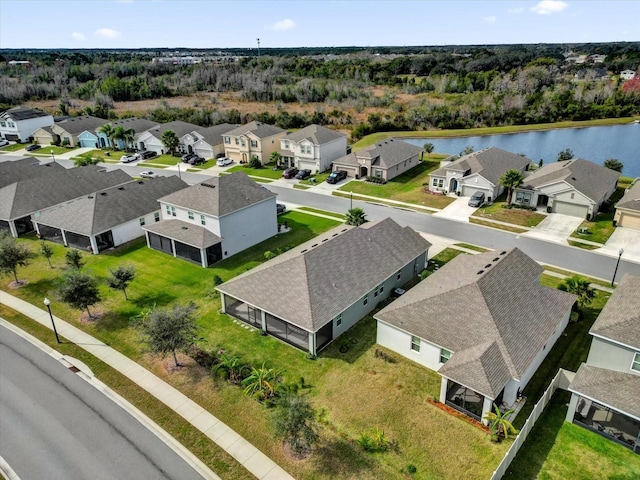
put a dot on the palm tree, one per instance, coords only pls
(262, 382)
(498, 423)
(428, 147)
(276, 157)
(128, 135)
(118, 134)
(581, 287)
(232, 366)
(170, 140)
(107, 129)
(511, 180)
(356, 216)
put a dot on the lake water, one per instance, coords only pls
(595, 144)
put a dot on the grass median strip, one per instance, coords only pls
(489, 223)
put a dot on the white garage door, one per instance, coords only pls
(204, 152)
(570, 209)
(629, 221)
(467, 191)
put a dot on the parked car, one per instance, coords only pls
(147, 154)
(224, 161)
(129, 158)
(187, 156)
(476, 200)
(280, 208)
(290, 173)
(302, 174)
(335, 177)
(148, 174)
(196, 160)
(33, 147)
(4, 142)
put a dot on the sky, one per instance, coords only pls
(310, 23)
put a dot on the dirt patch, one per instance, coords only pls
(292, 454)
(95, 316)
(19, 284)
(185, 363)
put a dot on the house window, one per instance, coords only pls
(572, 195)
(227, 140)
(172, 211)
(635, 365)
(142, 221)
(415, 344)
(378, 173)
(11, 124)
(243, 142)
(379, 289)
(523, 197)
(168, 210)
(286, 144)
(398, 274)
(254, 144)
(156, 216)
(203, 220)
(338, 320)
(365, 299)
(191, 217)
(438, 182)
(3, 124)
(444, 355)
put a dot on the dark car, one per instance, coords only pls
(187, 156)
(196, 160)
(147, 154)
(476, 200)
(33, 147)
(280, 208)
(335, 177)
(302, 174)
(290, 173)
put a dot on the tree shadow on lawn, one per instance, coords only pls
(151, 299)
(340, 458)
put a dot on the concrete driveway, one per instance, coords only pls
(458, 210)
(555, 228)
(625, 238)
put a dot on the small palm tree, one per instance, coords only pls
(232, 366)
(356, 216)
(170, 140)
(428, 147)
(128, 136)
(262, 382)
(511, 180)
(276, 157)
(581, 287)
(107, 129)
(498, 423)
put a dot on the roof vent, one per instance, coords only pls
(303, 251)
(90, 196)
(141, 182)
(480, 272)
(496, 259)
(185, 228)
(487, 265)
(503, 252)
(334, 235)
(208, 185)
(122, 188)
(104, 194)
(314, 245)
(324, 239)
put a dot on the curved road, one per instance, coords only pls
(55, 425)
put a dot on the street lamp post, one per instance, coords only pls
(620, 252)
(47, 302)
(53, 156)
(351, 197)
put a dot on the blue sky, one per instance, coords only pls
(308, 23)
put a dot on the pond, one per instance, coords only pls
(595, 144)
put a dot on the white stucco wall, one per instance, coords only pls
(248, 226)
(25, 128)
(477, 183)
(610, 355)
(399, 341)
(322, 156)
(128, 231)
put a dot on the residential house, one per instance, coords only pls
(19, 123)
(27, 196)
(312, 294)
(574, 187)
(253, 139)
(206, 142)
(477, 172)
(16, 170)
(314, 147)
(215, 219)
(386, 160)
(108, 217)
(606, 389)
(67, 131)
(483, 322)
(151, 139)
(627, 74)
(628, 207)
(591, 74)
(97, 137)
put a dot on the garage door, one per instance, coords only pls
(629, 221)
(467, 191)
(570, 209)
(204, 152)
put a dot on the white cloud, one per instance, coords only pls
(491, 19)
(106, 33)
(78, 37)
(285, 24)
(516, 10)
(547, 7)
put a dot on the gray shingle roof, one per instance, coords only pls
(316, 134)
(184, 232)
(220, 196)
(619, 320)
(77, 125)
(22, 113)
(592, 180)
(259, 129)
(385, 154)
(178, 127)
(490, 163)
(616, 389)
(138, 124)
(631, 198)
(102, 210)
(213, 135)
(475, 301)
(33, 194)
(30, 167)
(309, 285)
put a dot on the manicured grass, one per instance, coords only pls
(315, 179)
(108, 156)
(208, 164)
(267, 171)
(437, 261)
(208, 451)
(472, 247)
(407, 187)
(301, 187)
(355, 391)
(601, 228)
(152, 165)
(323, 212)
(14, 147)
(491, 224)
(167, 160)
(46, 150)
(596, 281)
(515, 216)
(556, 449)
(584, 246)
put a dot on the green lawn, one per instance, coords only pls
(107, 156)
(267, 171)
(601, 227)
(315, 179)
(323, 212)
(515, 216)
(355, 391)
(46, 150)
(14, 147)
(408, 187)
(165, 160)
(584, 246)
(487, 223)
(472, 247)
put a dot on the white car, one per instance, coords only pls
(129, 158)
(224, 161)
(148, 174)
(4, 142)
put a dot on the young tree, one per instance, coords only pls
(428, 147)
(80, 290)
(13, 255)
(86, 159)
(121, 277)
(168, 331)
(46, 251)
(581, 287)
(498, 423)
(276, 157)
(356, 216)
(467, 150)
(565, 154)
(170, 140)
(511, 180)
(232, 366)
(74, 259)
(295, 423)
(614, 164)
(255, 162)
(262, 382)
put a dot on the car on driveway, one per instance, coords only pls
(187, 156)
(129, 158)
(290, 173)
(335, 177)
(302, 174)
(224, 161)
(196, 160)
(147, 154)
(33, 147)
(280, 208)
(4, 142)
(477, 199)
(148, 174)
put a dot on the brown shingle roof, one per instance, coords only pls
(259, 129)
(77, 125)
(184, 232)
(490, 163)
(24, 168)
(385, 154)
(316, 134)
(619, 320)
(631, 198)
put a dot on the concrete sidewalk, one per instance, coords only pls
(247, 455)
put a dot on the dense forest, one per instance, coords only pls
(440, 87)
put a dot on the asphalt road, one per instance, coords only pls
(55, 425)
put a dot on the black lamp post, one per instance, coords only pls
(47, 302)
(620, 252)
(351, 197)
(53, 156)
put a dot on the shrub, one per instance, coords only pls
(378, 180)
(374, 441)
